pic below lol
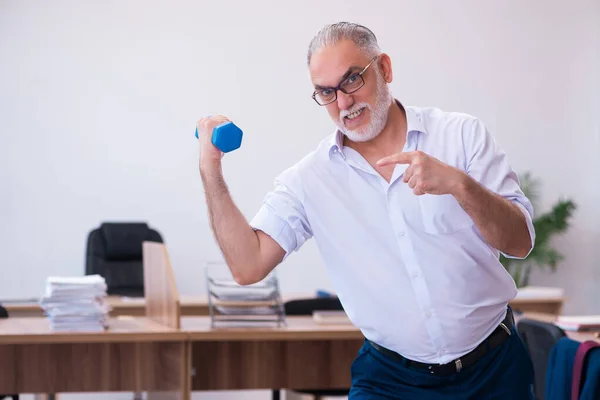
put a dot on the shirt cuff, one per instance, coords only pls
(530, 228)
(269, 222)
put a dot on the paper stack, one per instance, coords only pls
(578, 322)
(540, 292)
(232, 304)
(76, 303)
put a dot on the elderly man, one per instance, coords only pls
(410, 208)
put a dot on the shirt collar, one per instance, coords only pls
(413, 121)
(413, 124)
(336, 143)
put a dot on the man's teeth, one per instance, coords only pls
(355, 114)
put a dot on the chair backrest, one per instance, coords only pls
(3, 312)
(308, 306)
(114, 251)
(539, 338)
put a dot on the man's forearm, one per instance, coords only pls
(500, 221)
(236, 238)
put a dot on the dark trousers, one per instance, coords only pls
(504, 373)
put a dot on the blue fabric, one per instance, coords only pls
(590, 389)
(559, 375)
(504, 373)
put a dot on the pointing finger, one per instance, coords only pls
(398, 158)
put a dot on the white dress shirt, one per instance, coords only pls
(412, 272)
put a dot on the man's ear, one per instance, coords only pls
(385, 66)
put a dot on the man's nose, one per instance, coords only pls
(344, 100)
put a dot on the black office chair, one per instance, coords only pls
(307, 307)
(114, 251)
(4, 314)
(539, 338)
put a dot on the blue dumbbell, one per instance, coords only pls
(226, 136)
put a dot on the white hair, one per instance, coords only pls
(331, 34)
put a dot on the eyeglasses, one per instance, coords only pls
(349, 85)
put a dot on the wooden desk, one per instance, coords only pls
(135, 354)
(131, 306)
(548, 305)
(139, 354)
(198, 306)
(302, 355)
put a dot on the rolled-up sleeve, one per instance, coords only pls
(282, 215)
(488, 164)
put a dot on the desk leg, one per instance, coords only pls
(188, 372)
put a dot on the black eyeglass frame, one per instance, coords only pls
(339, 86)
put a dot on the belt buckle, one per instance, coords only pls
(503, 326)
(458, 364)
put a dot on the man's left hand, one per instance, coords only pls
(426, 174)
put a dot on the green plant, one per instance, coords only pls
(546, 226)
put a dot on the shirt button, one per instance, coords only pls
(401, 233)
(414, 274)
(427, 314)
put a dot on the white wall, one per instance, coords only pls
(98, 104)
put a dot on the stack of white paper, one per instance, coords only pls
(233, 304)
(76, 303)
(578, 322)
(540, 292)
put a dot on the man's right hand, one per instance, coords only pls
(210, 156)
(250, 254)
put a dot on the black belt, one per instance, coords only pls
(495, 339)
